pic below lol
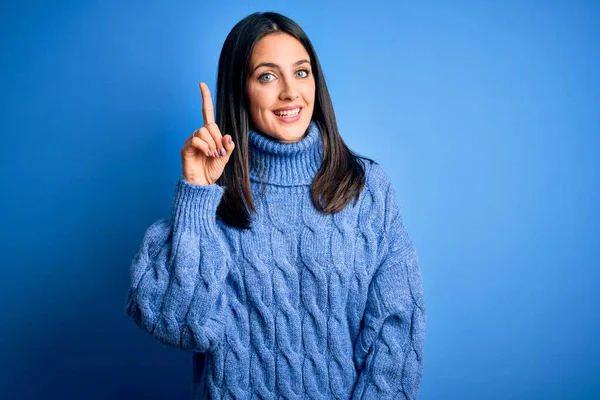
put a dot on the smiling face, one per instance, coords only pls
(280, 87)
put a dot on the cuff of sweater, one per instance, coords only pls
(195, 206)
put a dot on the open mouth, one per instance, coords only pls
(288, 115)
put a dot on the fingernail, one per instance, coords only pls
(223, 152)
(216, 153)
(208, 153)
(229, 139)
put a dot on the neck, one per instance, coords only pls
(285, 164)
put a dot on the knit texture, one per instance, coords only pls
(303, 305)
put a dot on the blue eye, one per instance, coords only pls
(260, 78)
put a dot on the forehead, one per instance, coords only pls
(280, 48)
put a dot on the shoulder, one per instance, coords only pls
(378, 184)
(386, 209)
(376, 177)
(379, 201)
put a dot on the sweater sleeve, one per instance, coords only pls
(178, 275)
(389, 347)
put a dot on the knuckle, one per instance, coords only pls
(214, 129)
(205, 134)
(203, 138)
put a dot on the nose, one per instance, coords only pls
(289, 90)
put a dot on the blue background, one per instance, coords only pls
(484, 114)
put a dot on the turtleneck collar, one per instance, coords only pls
(285, 164)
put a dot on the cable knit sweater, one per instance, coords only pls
(303, 305)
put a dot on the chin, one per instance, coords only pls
(292, 133)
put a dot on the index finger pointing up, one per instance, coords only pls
(207, 105)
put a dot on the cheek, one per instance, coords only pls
(251, 93)
(258, 100)
(310, 92)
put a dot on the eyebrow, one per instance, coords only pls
(273, 65)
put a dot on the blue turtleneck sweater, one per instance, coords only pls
(303, 305)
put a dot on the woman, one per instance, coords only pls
(285, 266)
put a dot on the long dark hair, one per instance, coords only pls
(340, 177)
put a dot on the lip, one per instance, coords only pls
(288, 120)
(288, 108)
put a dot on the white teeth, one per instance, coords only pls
(288, 113)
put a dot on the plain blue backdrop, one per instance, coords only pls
(485, 114)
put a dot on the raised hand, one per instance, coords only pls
(206, 152)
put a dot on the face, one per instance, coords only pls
(280, 87)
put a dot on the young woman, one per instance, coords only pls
(285, 266)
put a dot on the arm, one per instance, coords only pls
(178, 275)
(389, 348)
